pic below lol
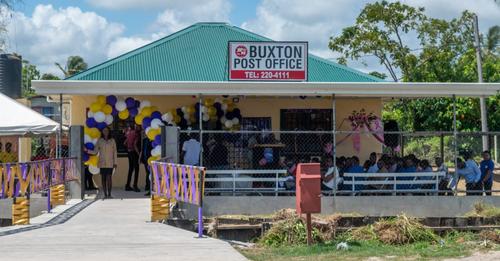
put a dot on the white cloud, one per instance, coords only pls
(177, 15)
(129, 4)
(181, 13)
(50, 35)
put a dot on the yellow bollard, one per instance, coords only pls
(20, 211)
(160, 208)
(57, 196)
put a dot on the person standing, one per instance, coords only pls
(191, 151)
(106, 149)
(132, 143)
(469, 175)
(144, 156)
(472, 164)
(487, 167)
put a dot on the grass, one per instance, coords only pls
(454, 244)
(484, 210)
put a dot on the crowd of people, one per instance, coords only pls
(478, 177)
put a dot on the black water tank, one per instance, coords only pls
(10, 75)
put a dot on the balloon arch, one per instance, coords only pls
(106, 109)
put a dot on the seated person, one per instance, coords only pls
(447, 180)
(356, 168)
(330, 179)
(408, 167)
(424, 166)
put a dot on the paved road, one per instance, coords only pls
(113, 230)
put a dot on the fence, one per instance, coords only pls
(247, 161)
(20, 180)
(176, 182)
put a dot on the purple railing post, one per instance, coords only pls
(200, 205)
(48, 188)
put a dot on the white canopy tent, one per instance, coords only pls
(17, 119)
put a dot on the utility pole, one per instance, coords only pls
(482, 100)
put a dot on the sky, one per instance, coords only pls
(45, 32)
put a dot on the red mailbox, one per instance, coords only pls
(308, 188)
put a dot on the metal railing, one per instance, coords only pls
(183, 183)
(25, 178)
(423, 182)
(238, 181)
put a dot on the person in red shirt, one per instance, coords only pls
(132, 139)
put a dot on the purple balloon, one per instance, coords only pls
(146, 122)
(111, 100)
(85, 156)
(156, 115)
(137, 104)
(114, 112)
(91, 123)
(130, 102)
(157, 140)
(89, 146)
(133, 111)
(101, 125)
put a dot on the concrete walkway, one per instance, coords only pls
(113, 230)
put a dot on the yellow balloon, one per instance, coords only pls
(138, 119)
(209, 102)
(123, 114)
(101, 99)
(146, 111)
(107, 109)
(94, 133)
(152, 158)
(173, 112)
(152, 133)
(212, 111)
(177, 119)
(95, 107)
(86, 130)
(190, 109)
(93, 160)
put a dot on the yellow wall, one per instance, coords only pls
(253, 107)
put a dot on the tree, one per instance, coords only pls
(444, 53)
(74, 65)
(29, 72)
(5, 7)
(49, 76)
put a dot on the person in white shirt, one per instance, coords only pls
(329, 180)
(470, 163)
(373, 168)
(191, 151)
(447, 181)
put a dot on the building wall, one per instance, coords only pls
(254, 107)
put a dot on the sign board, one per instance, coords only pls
(267, 61)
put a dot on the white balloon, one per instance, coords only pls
(206, 117)
(145, 103)
(204, 109)
(94, 141)
(224, 107)
(235, 121)
(167, 117)
(87, 138)
(90, 114)
(219, 100)
(100, 116)
(228, 124)
(156, 123)
(147, 130)
(120, 105)
(186, 116)
(109, 119)
(223, 119)
(184, 109)
(94, 169)
(156, 151)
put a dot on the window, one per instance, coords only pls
(306, 119)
